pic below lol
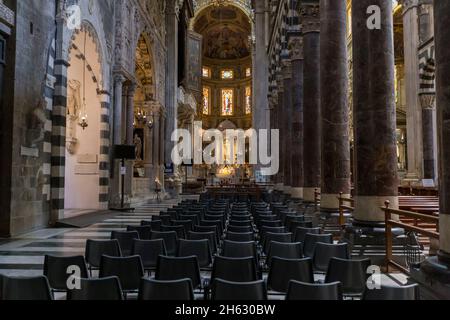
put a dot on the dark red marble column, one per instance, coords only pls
(438, 268)
(442, 45)
(296, 51)
(287, 124)
(280, 126)
(334, 103)
(427, 102)
(310, 16)
(376, 178)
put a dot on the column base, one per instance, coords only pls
(331, 201)
(444, 240)
(368, 208)
(309, 194)
(297, 193)
(434, 276)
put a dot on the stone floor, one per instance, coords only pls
(24, 256)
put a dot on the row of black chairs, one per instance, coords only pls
(236, 242)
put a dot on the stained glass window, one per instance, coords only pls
(248, 100)
(205, 100)
(248, 72)
(227, 74)
(206, 72)
(227, 102)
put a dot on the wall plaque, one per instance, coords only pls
(87, 169)
(87, 158)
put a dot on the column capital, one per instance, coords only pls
(131, 88)
(310, 17)
(409, 4)
(295, 46)
(119, 78)
(427, 100)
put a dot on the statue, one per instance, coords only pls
(74, 99)
(138, 147)
(73, 109)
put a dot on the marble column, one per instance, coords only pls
(413, 112)
(156, 140)
(129, 139)
(118, 92)
(148, 151)
(130, 114)
(427, 103)
(427, 96)
(260, 68)
(442, 40)
(171, 75)
(310, 15)
(117, 132)
(334, 103)
(280, 126)
(374, 114)
(287, 125)
(439, 267)
(296, 52)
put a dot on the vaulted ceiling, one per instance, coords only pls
(226, 32)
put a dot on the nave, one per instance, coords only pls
(219, 249)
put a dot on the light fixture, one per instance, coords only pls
(143, 118)
(83, 118)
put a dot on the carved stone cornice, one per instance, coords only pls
(310, 17)
(6, 15)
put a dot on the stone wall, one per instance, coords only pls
(35, 30)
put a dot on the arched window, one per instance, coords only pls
(227, 102)
(248, 100)
(206, 99)
(227, 74)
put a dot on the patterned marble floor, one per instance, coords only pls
(24, 256)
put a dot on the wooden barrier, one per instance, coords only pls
(343, 207)
(388, 212)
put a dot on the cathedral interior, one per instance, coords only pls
(117, 143)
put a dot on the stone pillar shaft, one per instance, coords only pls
(287, 124)
(442, 40)
(118, 88)
(261, 68)
(171, 77)
(279, 126)
(428, 142)
(376, 178)
(297, 128)
(413, 112)
(334, 102)
(311, 102)
(156, 140)
(130, 114)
